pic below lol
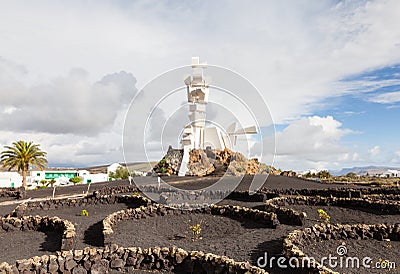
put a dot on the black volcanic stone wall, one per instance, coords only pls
(93, 199)
(64, 227)
(10, 192)
(389, 207)
(319, 232)
(235, 212)
(114, 258)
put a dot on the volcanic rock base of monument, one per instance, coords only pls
(215, 162)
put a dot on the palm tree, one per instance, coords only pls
(21, 155)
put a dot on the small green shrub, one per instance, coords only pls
(76, 180)
(196, 229)
(323, 215)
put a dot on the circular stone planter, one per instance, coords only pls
(91, 199)
(269, 219)
(38, 223)
(293, 217)
(342, 192)
(92, 260)
(293, 242)
(222, 227)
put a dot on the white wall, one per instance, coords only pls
(96, 178)
(10, 179)
(113, 168)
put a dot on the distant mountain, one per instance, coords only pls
(364, 170)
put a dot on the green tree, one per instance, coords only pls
(43, 183)
(323, 174)
(76, 180)
(21, 155)
(351, 175)
(120, 173)
(51, 182)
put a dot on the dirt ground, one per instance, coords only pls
(343, 215)
(88, 228)
(378, 251)
(242, 241)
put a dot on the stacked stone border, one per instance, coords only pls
(319, 232)
(334, 192)
(285, 215)
(93, 260)
(293, 217)
(10, 192)
(95, 198)
(45, 223)
(235, 212)
(383, 197)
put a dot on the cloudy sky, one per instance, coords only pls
(328, 70)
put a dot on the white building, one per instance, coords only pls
(62, 177)
(10, 179)
(113, 168)
(391, 173)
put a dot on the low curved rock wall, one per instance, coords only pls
(285, 215)
(92, 199)
(10, 192)
(38, 223)
(319, 232)
(377, 206)
(92, 260)
(235, 212)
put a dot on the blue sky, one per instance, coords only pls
(328, 70)
(373, 120)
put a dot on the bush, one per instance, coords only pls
(76, 180)
(43, 184)
(323, 215)
(120, 173)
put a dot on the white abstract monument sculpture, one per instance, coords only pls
(196, 135)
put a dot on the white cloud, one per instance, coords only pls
(284, 42)
(375, 150)
(294, 53)
(70, 104)
(311, 135)
(312, 143)
(387, 98)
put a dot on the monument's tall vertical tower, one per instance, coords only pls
(196, 135)
(197, 95)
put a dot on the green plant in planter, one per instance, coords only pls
(196, 231)
(84, 212)
(323, 215)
